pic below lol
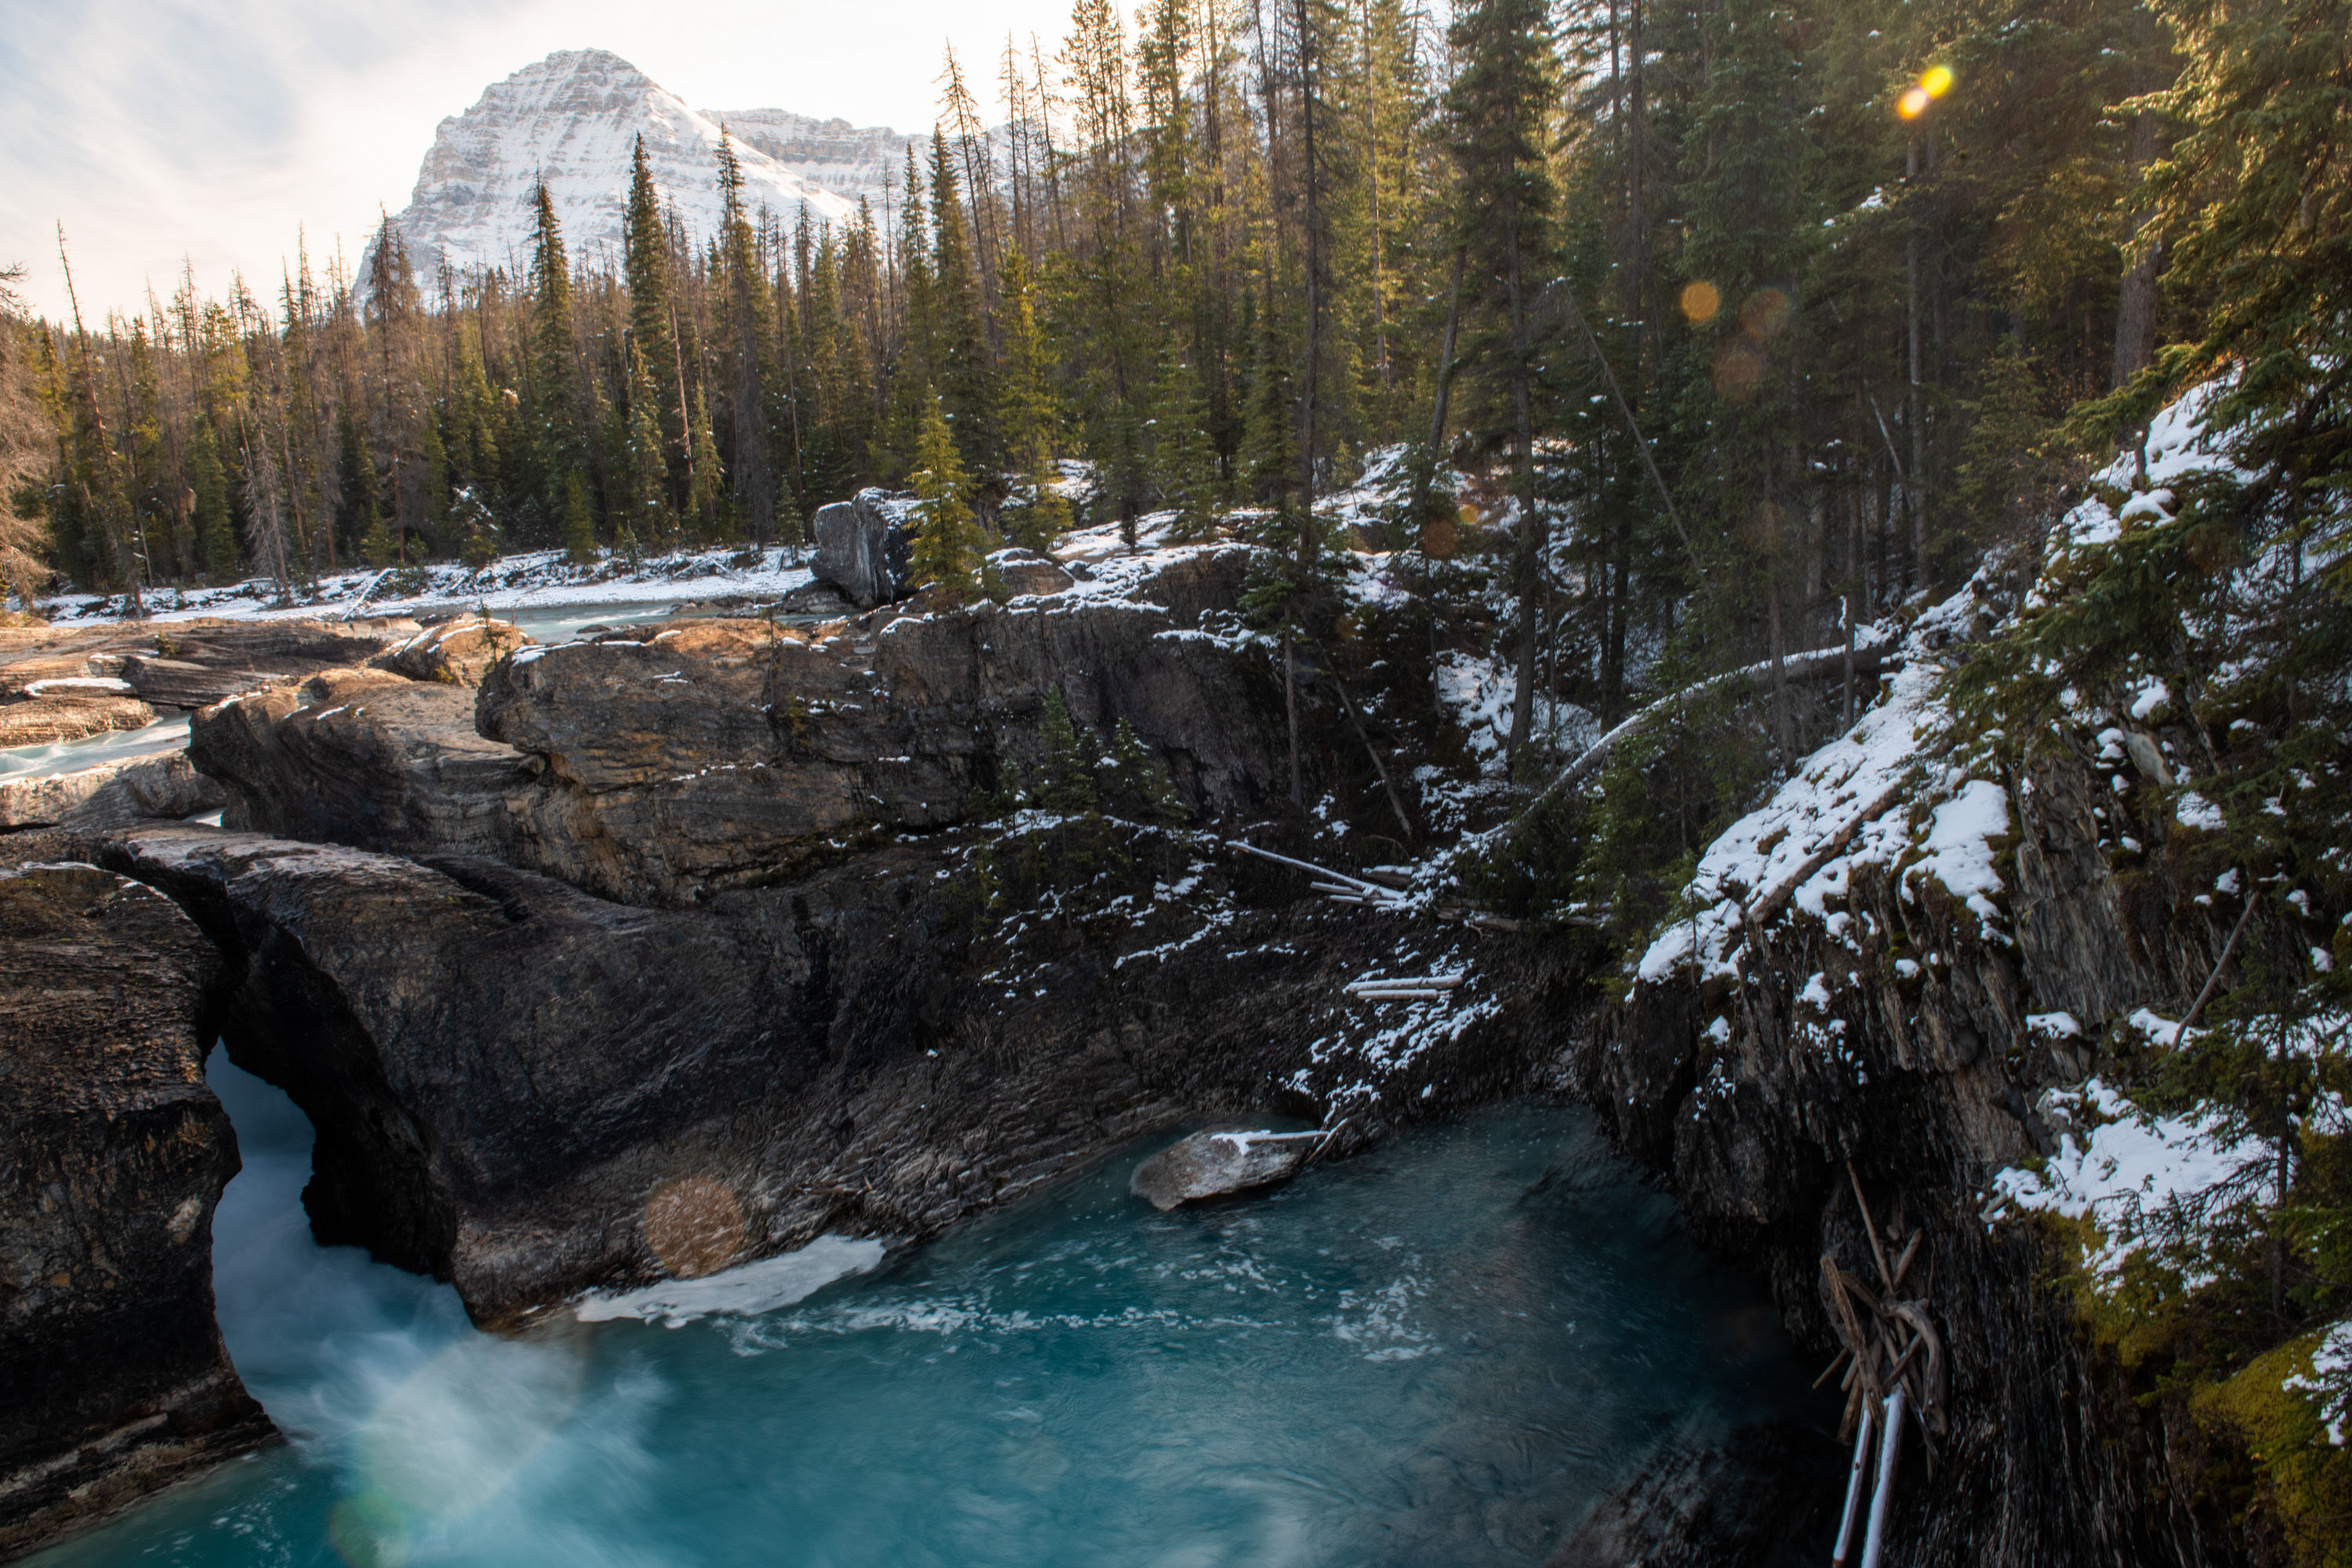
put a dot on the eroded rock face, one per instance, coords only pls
(182, 664)
(660, 764)
(520, 1087)
(68, 715)
(457, 652)
(112, 794)
(195, 664)
(113, 1380)
(363, 757)
(720, 753)
(1923, 1076)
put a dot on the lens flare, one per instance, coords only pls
(1700, 301)
(1738, 369)
(695, 1227)
(1764, 314)
(1912, 103)
(1937, 81)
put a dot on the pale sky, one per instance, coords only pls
(222, 130)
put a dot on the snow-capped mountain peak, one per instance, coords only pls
(572, 120)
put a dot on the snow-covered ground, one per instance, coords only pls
(541, 580)
(2131, 1173)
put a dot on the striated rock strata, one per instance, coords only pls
(664, 763)
(1887, 1027)
(365, 757)
(113, 1380)
(514, 1083)
(112, 794)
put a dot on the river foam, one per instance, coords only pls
(1442, 1351)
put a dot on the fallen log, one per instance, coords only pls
(1820, 664)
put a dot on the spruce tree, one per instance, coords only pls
(216, 524)
(645, 266)
(944, 555)
(1028, 412)
(706, 490)
(644, 471)
(1497, 111)
(750, 333)
(966, 372)
(579, 518)
(561, 437)
(1184, 466)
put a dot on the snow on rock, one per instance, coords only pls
(2193, 810)
(1843, 807)
(2130, 1173)
(1478, 692)
(572, 120)
(1958, 849)
(2181, 446)
(747, 1291)
(2329, 1381)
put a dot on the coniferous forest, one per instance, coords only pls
(1679, 339)
(1771, 316)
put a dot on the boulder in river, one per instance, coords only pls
(113, 1379)
(1214, 1164)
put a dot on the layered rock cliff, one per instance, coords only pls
(113, 1380)
(1852, 1021)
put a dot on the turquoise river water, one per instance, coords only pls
(1441, 1351)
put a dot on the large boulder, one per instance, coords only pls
(363, 757)
(113, 1379)
(1025, 572)
(1218, 1164)
(60, 712)
(862, 548)
(112, 794)
(711, 754)
(456, 652)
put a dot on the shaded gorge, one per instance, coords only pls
(1445, 1350)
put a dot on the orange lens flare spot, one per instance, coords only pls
(1700, 301)
(1937, 81)
(1912, 103)
(695, 1227)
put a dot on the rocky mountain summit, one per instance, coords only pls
(572, 121)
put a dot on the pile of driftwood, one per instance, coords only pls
(1893, 1364)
